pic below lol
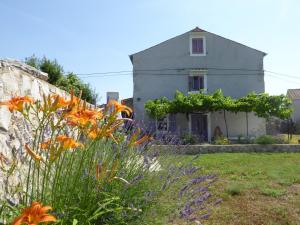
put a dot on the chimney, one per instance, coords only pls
(112, 96)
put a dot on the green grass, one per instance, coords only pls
(273, 192)
(255, 188)
(234, 189)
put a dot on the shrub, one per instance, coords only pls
(221, 141)
(244, 140)
(189, 139)
(268, 139)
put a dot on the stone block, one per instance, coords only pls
(5, 116)
(10, 82)
(26, 85)
(35, 90)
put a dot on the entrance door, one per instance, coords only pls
(199, 126)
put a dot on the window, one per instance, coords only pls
(197, 46)
(166, 124)
(162, 124)
(196, 83)
(197, 80)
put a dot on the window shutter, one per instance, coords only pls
(172, 123)
(200, 45)
(202, 82)
(197, 84)
(194, 45)
(197, 45)
(190, 83)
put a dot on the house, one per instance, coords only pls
(294, 95)
(192, 61)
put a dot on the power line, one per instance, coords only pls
(229, 75)
(282, 74)
(103, 73)
(122, 73)
(280, 78)
(146, 73)
(183, 75)
(128, 72)
(274, 76)
(108, 75)
(167, 69)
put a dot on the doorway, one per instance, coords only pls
(199, 126)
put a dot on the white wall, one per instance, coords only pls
(296, 113)
(237, 124)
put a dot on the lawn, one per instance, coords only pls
(254, 188)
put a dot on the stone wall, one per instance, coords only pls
(203, 149)
(18, 79)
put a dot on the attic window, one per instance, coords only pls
(197, 46)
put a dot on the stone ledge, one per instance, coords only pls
(244, 148)
(11, 63)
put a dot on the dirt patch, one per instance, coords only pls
(253, 208)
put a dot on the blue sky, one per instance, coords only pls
(97, 36)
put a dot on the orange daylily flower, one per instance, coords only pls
(33, 154)
(59, 102)
(45, 144)
(17, 103)
(74, 100)
(93, 133)
(118, 107)
(68, 142)
(135, 141)
(83, 117)
(105, 131)
(101, 133)
(142, 140)
(3, 158)
(34, 215)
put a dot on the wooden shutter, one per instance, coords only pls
(172, 123)
(191, 83)
(202, 82)
(197, 45)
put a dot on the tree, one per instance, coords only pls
(66, 82)
(72, 82)
(51, 67)
(275, 105)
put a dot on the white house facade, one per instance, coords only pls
(192, 61)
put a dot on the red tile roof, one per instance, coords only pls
(293, 93)
(197, 29)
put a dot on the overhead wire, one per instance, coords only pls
(168, 72)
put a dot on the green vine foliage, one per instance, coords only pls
(158, 108)
(263, 105)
